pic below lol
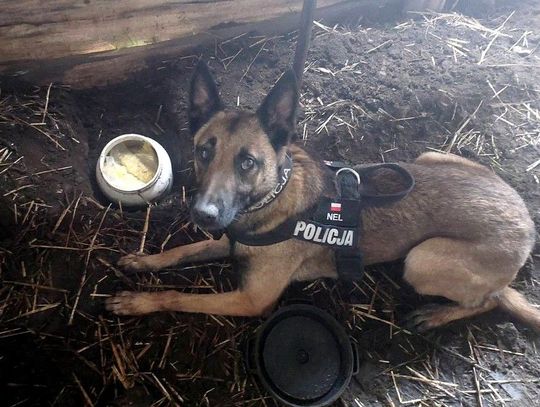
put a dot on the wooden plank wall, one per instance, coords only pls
(94, 42)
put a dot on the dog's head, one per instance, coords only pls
(237, 153)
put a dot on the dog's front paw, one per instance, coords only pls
(131, 303)
(136, 262)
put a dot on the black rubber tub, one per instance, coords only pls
(302, 356)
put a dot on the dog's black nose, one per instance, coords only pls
(205, 214)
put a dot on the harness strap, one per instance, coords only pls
(349, 260)
(280, 233)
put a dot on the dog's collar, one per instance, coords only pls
(284, 174)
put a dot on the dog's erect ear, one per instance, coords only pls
(277, 112)
(204, 99)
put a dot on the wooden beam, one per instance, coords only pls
(94, 42)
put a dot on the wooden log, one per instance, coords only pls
(94, 42)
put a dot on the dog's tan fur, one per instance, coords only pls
(463, 232)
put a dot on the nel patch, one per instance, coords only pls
(338, 212)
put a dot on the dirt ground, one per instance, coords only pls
(372, 92)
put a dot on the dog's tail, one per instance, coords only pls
(517, 305)
(304, 39)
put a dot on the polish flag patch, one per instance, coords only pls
(335, 207)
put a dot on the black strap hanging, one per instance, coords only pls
(349, 260)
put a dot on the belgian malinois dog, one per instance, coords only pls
(463, 232)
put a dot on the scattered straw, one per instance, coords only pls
(63, 263)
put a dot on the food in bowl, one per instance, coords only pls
(130, 165)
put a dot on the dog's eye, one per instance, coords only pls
(247, 164)
(203, 153)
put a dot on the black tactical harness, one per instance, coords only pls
(334, 221)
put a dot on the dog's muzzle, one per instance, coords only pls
(205, 214)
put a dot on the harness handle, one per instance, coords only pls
(374, 199)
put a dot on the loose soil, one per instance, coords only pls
(371, 93)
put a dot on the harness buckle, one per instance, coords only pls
(346, 186)
(347, 169)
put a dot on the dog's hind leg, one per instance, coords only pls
(431, 316)
(195, 252)
(469, 274)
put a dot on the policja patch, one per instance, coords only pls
(334, 223)
(325, 234)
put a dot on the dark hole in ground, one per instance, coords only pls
(360, 103)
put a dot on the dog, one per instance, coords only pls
(463, 232)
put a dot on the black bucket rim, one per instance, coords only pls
(346, 350)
